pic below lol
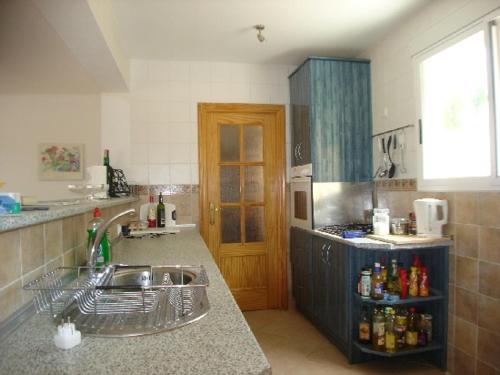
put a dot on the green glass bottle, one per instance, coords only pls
(160, 213)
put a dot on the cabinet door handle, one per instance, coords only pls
(212, 213)
(295, 152)
(328, 255)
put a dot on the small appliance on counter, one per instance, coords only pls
(431, 214)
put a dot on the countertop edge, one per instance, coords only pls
(25, 219)
(380, 245)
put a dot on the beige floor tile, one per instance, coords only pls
(294, 346)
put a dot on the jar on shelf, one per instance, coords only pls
(381, 221)
(399, 225)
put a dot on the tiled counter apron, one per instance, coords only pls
(219, 343)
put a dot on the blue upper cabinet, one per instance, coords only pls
(331, 119)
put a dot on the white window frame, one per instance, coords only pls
(491, 182)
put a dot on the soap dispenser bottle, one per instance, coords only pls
(103, 251)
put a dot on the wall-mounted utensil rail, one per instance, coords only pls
(393, 130)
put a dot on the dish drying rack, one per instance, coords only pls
(164, 298)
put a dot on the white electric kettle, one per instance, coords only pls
(427, 212)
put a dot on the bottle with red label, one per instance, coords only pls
(423, 285)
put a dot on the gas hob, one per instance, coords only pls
(348, 230)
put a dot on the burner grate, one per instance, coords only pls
(339, 229)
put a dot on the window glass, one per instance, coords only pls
(455, 111)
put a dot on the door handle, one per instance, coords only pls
(212, 213)
(295, 153)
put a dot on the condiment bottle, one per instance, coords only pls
(390, 338)
(426, 325)
(151, 213)
(393, 278)
(364, 327)
(413, 282)
(412, 226)
(403, 283)
(366, 283)
(377, 283)
(412, 330)
(400, 330)
(423, 287)
(378, 330)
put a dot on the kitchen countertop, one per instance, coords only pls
(219, 343)
(26, 218)
(369, 243)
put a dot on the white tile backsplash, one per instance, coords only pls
(179, 153)
(178, 71)
(180, 173)
(179, 111)
(159, 153)
(159, 174)
(163, 111)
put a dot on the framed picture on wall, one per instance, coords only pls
(60, 161)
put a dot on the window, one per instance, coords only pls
(457, 111)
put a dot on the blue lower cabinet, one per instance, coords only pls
(324, 277)
(301, 259)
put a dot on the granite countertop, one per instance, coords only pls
(25, 218)
(219, 343)
(370, 243)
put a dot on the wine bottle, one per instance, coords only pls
(160, 213)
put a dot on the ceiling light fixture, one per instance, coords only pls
(259, 29)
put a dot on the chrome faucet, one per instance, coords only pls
(94, 244)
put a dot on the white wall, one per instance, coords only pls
(393, 86)
(27, 120)
(152, 131)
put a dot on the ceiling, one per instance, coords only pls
(56, 51)
(221, 30)
(33, 57)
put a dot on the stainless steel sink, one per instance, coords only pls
(143, 276)
(122, 300)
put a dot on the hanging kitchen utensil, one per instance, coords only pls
(392, 166)
(384, 170)
(402, 148)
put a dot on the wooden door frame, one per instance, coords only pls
(281, 256)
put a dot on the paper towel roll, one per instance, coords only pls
(96, 175)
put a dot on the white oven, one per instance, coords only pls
(301, 198)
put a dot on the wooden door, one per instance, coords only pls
(242, 199)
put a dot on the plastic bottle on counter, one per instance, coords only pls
(152, 212)
(103, 250)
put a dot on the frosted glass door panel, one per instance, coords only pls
(253, 143)
(230, 225)
(254, 224)
(229, 143)
(254, 184)
(229, 184)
